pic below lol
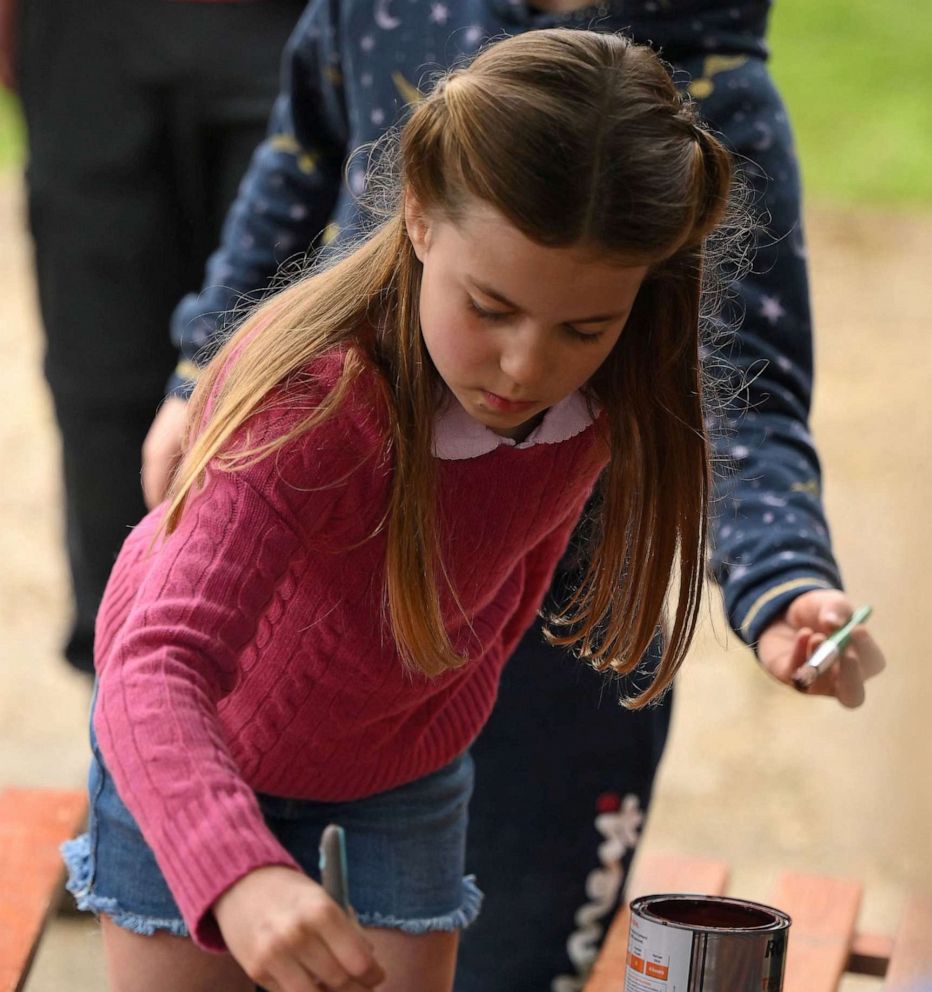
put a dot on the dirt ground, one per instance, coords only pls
(754, 773)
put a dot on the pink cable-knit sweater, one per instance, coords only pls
(249, 649)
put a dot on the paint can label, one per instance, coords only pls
(658, 957)
(683, 943)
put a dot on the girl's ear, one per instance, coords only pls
(417, 225)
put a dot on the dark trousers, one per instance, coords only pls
(563, 780)
(142, 117)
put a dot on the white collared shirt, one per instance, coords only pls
(459, 436)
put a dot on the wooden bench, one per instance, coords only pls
(824, 940)
(33, 822)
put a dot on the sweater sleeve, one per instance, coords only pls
(284, 200)
(219, 576)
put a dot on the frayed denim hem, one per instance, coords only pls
(459, 919)
(77, 855)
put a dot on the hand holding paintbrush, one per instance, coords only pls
(795, 638)
(829, 651)
(280, 926)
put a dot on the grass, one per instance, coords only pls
(853, 75)
(11, 131)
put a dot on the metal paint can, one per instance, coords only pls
(688, 943)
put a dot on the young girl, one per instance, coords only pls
(386, 464)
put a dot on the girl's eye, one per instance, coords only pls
(499, 315)
(491, 315)
(581, 335)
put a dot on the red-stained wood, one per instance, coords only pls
(33, 822)
(653, 874)
(911, 957)
(824, 911)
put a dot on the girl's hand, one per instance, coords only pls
(790, 640)
(162, 449)
(289, 936)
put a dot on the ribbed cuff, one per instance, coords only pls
(182, 381)
(203, 882)
(755, 616)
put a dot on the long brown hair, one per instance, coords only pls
(578, 139)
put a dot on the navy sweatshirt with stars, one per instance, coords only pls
(350, 69)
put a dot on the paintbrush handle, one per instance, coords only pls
(333, 872)
(843, 634)
(829, 651)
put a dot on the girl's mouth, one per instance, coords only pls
(500, 404)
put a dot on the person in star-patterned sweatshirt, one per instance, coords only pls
(552, 838)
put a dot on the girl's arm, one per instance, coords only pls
(163, 669)
(172, 632)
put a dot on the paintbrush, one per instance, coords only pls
(829, 651)
(333, 871)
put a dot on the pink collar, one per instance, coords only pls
(458, 436)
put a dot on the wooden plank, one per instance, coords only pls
(653, 873)
(870, 954)
(911, 959)
(824, 912)
(33, 822)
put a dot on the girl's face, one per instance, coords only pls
(514, 327)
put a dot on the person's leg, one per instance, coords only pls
(218, 99)
(405, 853)
(105, 270)
(405, 850)
(118, 240)
(137, 963)
(425, 962)
(100, 461)
(563, 779)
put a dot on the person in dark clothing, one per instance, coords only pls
(554, 865)
(141, 120)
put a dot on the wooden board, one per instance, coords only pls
(653, 874)
(824, 912)
(911, 959)
(33, 822)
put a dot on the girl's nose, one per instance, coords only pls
(523, 357)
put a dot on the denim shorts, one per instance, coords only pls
(405, 854)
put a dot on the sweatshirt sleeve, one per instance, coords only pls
(771, 540)
(168, 667)
(284, 200)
